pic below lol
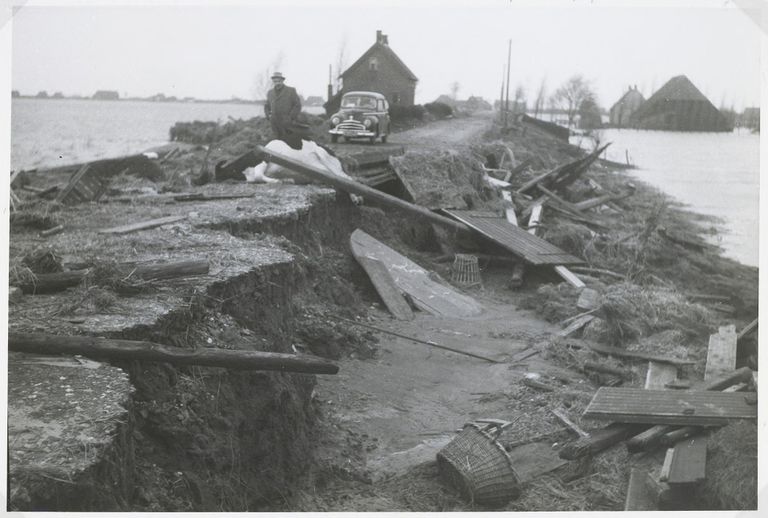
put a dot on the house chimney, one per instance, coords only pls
(385, 39)
(378, 37)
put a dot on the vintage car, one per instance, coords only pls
(361, 115)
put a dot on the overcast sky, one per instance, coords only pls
(216, 52)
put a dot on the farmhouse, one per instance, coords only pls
(679, 106)
(379, 69)
(625, 107)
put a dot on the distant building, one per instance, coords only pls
(379, 69)
(15, 93)
(106, 95)
(679, 106)
(58, 95)
(314, 100)
(625, 107)
(750, 118)
(42, 94)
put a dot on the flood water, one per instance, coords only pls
(50, 132)
(714, 173)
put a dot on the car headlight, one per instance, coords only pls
(335, 121)
(370, 121)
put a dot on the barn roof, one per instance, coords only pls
(386, 50)
(679, 88)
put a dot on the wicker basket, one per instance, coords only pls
(479, 467)
(465, 270)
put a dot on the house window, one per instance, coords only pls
(395, 98)
(373, 64)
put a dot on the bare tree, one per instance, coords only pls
(541, 97)
(455, 87)
(572, 94)
(262, 83)
(520, 103)
(341, 62)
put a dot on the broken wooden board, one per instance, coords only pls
(386, 288)
(84, 185)
(142, 225)
(631, 405)
(569, 277)
(748, 329)
(659, 375)
(588, 299)
(576, 325)
(623, 353)
(534, 459)
(530, 248)
(639, 495)
(721, 355)
(689, 461)
(427, 294)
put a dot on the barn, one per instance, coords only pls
(679, 106)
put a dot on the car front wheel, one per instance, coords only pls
(384, 138)
(334, 138)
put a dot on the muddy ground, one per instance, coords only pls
(206, 439)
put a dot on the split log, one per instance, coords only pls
(52, 231)
(350, 186)
(748, 329)
(598, 367)
(569, 277)
(563, 203)
(529, 382)
(60, 281)
(674, 436)
(623, 353)
(598, 441)
(127, 350)
(142, 225)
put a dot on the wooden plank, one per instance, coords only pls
(428, 295)
(667, 465)
(535, 218)
(721, 355)
(386, 288)
(567, 422)
(623, 353)
(576, 325)
(630, 405)
(659, 375)
(142, 225)
(748, 329)
(689, 461)
(523, 244)
(639, 495)
(569, 277)
(534, 459)
(509, 210)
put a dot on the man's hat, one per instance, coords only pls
(278, 75)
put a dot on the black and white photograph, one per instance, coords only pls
(382, 256)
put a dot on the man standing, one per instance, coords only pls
(282, 107)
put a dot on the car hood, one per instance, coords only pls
(346, 112)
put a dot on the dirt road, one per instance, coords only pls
(406, 404)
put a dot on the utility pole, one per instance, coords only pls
(506, 102)
(330, 83)
(501, 96)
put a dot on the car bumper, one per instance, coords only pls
(352, 133)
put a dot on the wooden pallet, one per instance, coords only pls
(84, 185)
(529, 247)
(705, 408)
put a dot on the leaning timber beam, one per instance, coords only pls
(60, 281)
(104, 348)
(351, 186)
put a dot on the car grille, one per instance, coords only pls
(350, 125)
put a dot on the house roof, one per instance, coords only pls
(384, 49)
(626, 96)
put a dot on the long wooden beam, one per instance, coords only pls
(104, 348)
(351, 186)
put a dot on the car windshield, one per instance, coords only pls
(358, 101)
